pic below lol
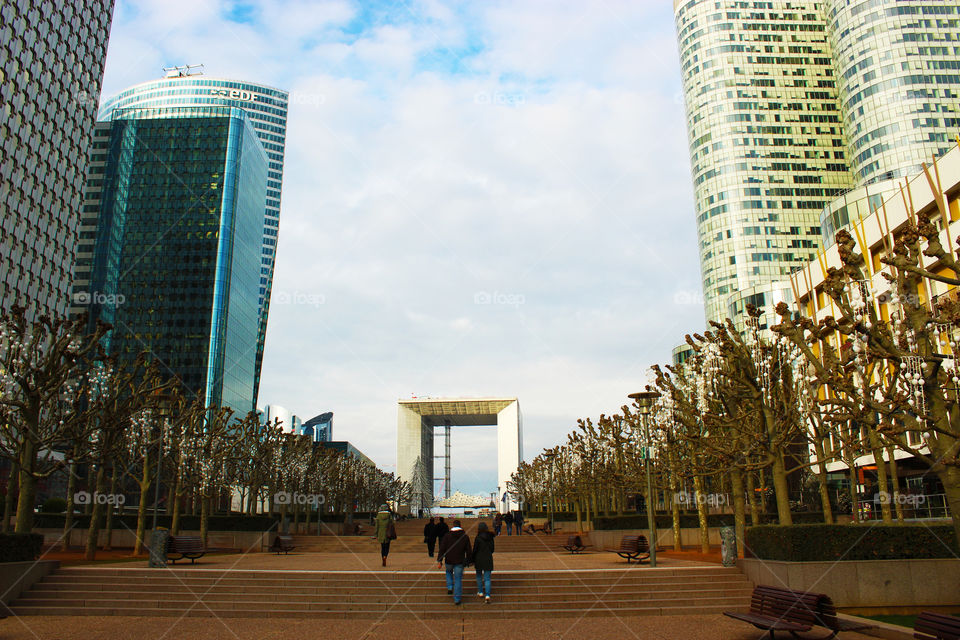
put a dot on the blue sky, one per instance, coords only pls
(479, 199)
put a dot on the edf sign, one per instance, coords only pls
(236, 94)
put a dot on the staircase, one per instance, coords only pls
(192, 591)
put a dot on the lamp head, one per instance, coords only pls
(644, 400)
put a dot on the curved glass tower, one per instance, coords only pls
(767, 149)
(266, 109)
(898, 72)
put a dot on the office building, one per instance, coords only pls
(266, 108)
(790, 104)
(319, 428)
(170, 244)
(51, 68)
(289, 422)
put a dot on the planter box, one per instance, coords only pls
(866, 584)
(17, 577)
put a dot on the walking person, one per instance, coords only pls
(508, 520)
(430, 535)
(483, 560)
(385, 532)
(497, 523)
(518, 521)
(442, 529)
(455, 551)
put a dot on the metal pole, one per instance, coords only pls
(651, 521)
(156, 489)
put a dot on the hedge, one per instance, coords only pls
(187, 522)
(20, 547)
(691, 521)
(833, 542)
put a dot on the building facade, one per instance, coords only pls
(170, 245)
(898, 75)
(766, 142)
(51, 68)
(266, 108)
(792, 104)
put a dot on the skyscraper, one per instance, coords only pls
(793, 103)
(171, 237)
(266, 109)
(51, 68)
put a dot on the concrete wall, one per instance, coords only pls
(866, 584)
(509, 452)
(17, 577)
(611, 539)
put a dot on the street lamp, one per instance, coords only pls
(645, 400)
(551, 455)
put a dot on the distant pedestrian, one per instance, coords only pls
(497, 523)
(518, 521)
(430, 535)
(455, 551)
(385, 532)
(508, 520)
(442, 528)
(483, 560)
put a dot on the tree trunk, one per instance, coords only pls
(702, 514)
(110, 510)
(28, 488)
(8, 499)
(883, 489)
(576, 506)
(854, 498)
(754, 500)
(739, 510)
(93, 531)
(895, 481)
(204, 517)
(950, 477)
(822, 478)
(145, 485)
(68, 514)
(781, 490)
(175, 498)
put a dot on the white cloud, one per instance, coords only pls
(522, 228)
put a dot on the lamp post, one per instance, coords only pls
(158, 542)
(551, 455)
(645, 400)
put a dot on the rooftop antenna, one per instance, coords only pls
(184, 71)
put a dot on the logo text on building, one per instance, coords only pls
(236, 94)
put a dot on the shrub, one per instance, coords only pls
(833, 542)
(54, 505)
(690, 520)
(20, 547)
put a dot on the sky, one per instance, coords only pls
(479, 199)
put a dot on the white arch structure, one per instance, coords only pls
(416, 420)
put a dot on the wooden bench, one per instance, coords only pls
(187, 546)
(774, 609)
(282, 543)
(633, 548)
(574, 544)
(936, 626)
(779, 609)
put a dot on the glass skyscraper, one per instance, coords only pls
(51, 67)
(170, 254)
(266, 109)
(898, 71)
(791, 104)
(766, 141)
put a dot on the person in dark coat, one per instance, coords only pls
(508, 520)
(385, 531)
(518, 521)
(497, 523)
(455, 551)
(483, 560)
(442, 529)
(430, 535)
